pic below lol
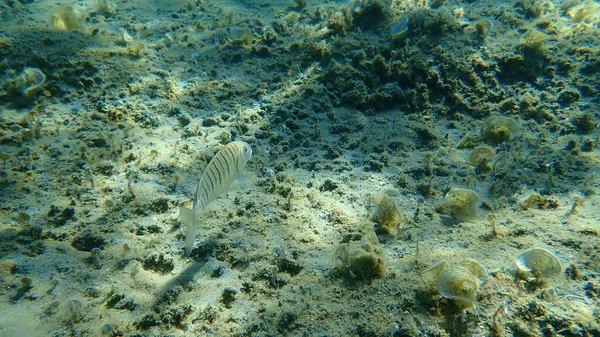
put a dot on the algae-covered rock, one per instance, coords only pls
(498, 129)
(361, 259)
(364, 7)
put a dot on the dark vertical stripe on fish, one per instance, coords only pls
(210, 180)
(221, 164)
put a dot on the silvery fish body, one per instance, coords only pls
(216, 180)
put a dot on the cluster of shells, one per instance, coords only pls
(461, 282)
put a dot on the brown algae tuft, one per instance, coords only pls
(386, 216)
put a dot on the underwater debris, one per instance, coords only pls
(74, 311)
(532, 199)
(476, 269)
(68, 18)
(228, 297)
(225, 137)
(457, 283)
(106, 329)
(158, 263)
(585, 123)
(533, 40)
(300, 4)
(538, 263)
(529, 200)
(534, 8)
(124, 38)
(461, 204)
(4, 157)
(26, 283)
(363, 7)
(361, 259)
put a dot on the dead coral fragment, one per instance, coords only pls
(361, 259)
(386, 216)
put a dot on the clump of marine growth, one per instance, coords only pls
(386, 216)
(360, 256)
(498, 129)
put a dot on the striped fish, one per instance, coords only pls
(216, 180)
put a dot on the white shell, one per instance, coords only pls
(458, 284)
(430, 275)
(477, 270)
(539, 262)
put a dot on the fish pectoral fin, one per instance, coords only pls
(189, 218)
(186, 215)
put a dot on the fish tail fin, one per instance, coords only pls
(189, 218)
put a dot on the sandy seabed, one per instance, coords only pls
(365, 118)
